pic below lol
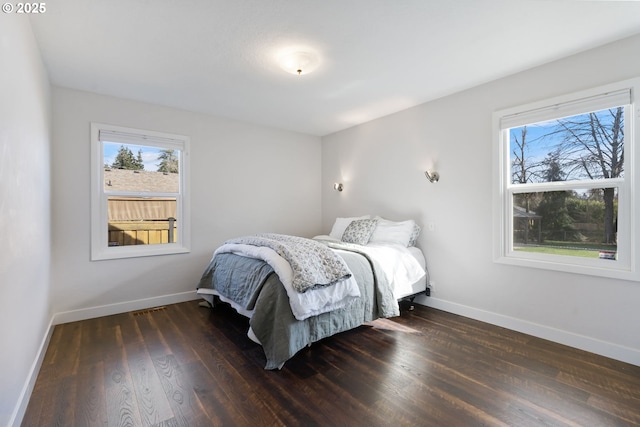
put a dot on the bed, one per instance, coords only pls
(297, 291)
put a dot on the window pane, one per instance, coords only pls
(142, 220)
(136, 168)
(580, 223)
(582, 147)
(139, 203)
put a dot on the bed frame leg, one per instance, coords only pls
(205, 304)
(407, 303)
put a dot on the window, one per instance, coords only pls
(564, 180)
(139, 203)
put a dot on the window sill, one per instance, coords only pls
(122, 252)
(590, 267)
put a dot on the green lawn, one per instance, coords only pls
(559, 251)
(593, 252)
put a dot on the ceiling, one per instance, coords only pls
(376, 57)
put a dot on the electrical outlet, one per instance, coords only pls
(432, 286)
(431, 226)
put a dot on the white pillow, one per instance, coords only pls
(341, 224)
(393, 232)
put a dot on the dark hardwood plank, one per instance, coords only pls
(174, 338)
(61, 358)
(91, 409)
(215, 403)
(121, 402)
(153, 405)
(184, 365)
(180, 391)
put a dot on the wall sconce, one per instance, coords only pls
(432, 176)
(337, 186)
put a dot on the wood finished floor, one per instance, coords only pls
(190, 366)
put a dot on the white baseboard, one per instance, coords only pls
(603, 348)
(123, 307)
(27, 389)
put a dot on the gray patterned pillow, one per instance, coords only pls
(414, 235)
(359, 231)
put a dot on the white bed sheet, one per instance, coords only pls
(420, 285)
(409, 277)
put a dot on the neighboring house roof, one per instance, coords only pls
(136, 209)
(130, 180)
(519, 212)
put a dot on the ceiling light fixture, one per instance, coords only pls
(298, 62)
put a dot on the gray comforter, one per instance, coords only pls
(273, 323)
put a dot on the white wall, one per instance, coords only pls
(382, 162)
(25, 127)
(244, 179)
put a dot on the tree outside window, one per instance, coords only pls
(583, 147)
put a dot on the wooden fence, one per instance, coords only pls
(127, 233)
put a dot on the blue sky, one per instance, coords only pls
(149, 154)
(536, 149)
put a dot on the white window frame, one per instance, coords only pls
(100, 249)
(626, 266)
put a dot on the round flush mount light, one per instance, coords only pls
(298, 62)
